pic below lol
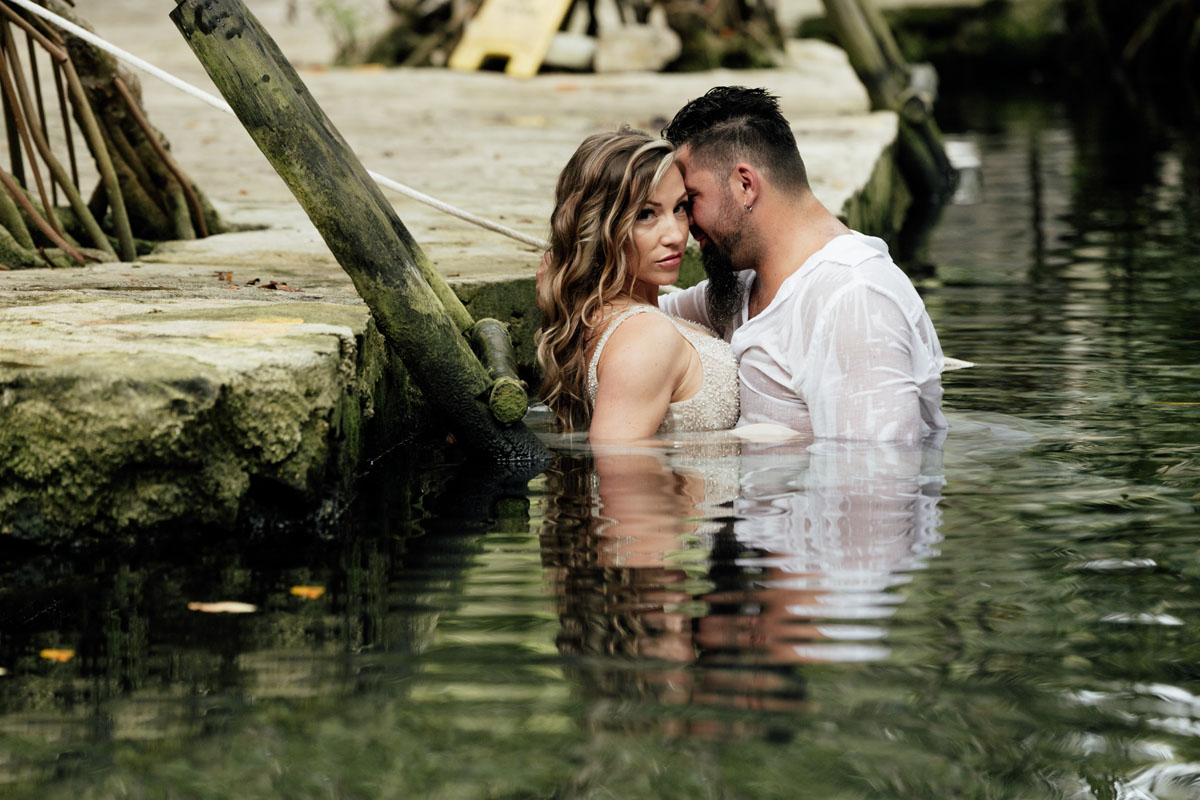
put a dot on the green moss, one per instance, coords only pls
(878, 207)
(508, 400)
(691, 270)
(133, 442)
(512, 301)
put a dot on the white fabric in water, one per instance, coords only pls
(845, 350)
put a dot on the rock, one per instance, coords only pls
(132, 413)
(635, 48)
(570, 51)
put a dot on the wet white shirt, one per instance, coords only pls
(845, 350)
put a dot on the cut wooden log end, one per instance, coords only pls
(508, 400)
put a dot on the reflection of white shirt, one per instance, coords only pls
(836, 531)
(845, 520)
(845, 350)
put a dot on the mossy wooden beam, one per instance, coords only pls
(852, 26)
(357, 223)
(507, 399)
(876, 59)
(489, 338)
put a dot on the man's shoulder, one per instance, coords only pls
(853, 269)
(856, 249)
(859, 263)
(852, 258)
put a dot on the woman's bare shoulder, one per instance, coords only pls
(652, 326)
(643, 340)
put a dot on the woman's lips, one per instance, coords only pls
(671, 260)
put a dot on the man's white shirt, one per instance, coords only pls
(845, 350)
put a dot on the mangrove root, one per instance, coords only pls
(143, 194)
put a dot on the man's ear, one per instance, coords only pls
(747, 184)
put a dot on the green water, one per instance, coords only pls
(1011, 614)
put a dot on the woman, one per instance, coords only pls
(612, 361)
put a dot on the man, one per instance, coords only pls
(830, 336)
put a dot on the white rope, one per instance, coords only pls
(433, 202)
(221, 105)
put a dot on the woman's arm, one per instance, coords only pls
(642, 365)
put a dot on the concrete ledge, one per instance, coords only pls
(127, 413)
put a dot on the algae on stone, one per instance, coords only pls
(177, 428)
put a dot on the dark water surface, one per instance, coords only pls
(1013, 613)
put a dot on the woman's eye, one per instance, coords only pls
(645, 215)
(682, 208)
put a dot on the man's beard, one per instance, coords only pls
(724, 295)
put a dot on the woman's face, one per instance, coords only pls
(660, 233)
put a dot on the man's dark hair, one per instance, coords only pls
(732, 123)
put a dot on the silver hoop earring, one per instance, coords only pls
(748, 208)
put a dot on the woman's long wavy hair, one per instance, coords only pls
(596, 202)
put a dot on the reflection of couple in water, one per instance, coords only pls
(802, 323)
(805, 549)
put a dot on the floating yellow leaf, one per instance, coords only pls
(311, 592)
(223, 607)
(61, 656)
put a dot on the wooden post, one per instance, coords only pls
(876, 59)
(360, 227)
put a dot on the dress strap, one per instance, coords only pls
(616, 320)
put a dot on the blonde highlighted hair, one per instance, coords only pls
(599, 194)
